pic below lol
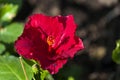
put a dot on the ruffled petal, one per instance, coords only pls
(49, 40)
(50, 25)
(54, 67)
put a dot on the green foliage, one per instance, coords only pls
(116, 53)
(45, 75)
(10, 69)
(40, 74)
(2, 48)
(8, 10)
(10, 33)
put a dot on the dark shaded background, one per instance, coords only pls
(98, 26)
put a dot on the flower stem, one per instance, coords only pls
(20, 58)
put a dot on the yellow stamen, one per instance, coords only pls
(50, 40)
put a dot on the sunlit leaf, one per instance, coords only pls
(9, 9)
(7, 12)
(10, 69)
(10, 33)
(116, 53)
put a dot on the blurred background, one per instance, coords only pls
(98, 26)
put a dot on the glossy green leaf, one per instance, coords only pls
(2, 48)
(10, 69)
(116, 53)
(11, 32)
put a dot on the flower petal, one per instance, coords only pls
(54, 67)
(50, 25)
(30, 45)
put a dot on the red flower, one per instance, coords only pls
(49, 40)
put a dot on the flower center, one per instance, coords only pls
(50, 40)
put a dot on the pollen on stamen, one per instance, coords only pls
(50, 40)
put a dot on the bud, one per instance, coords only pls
(116, 53)
(35, 68)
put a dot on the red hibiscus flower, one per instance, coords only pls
(49, 40)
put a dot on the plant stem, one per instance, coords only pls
(36, 70)
(20, 58)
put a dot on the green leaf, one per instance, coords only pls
(2, 48)
(8, 9)
(116, 53)
(10, 33)
(8, 12)
(10, 69)
(45, 74)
